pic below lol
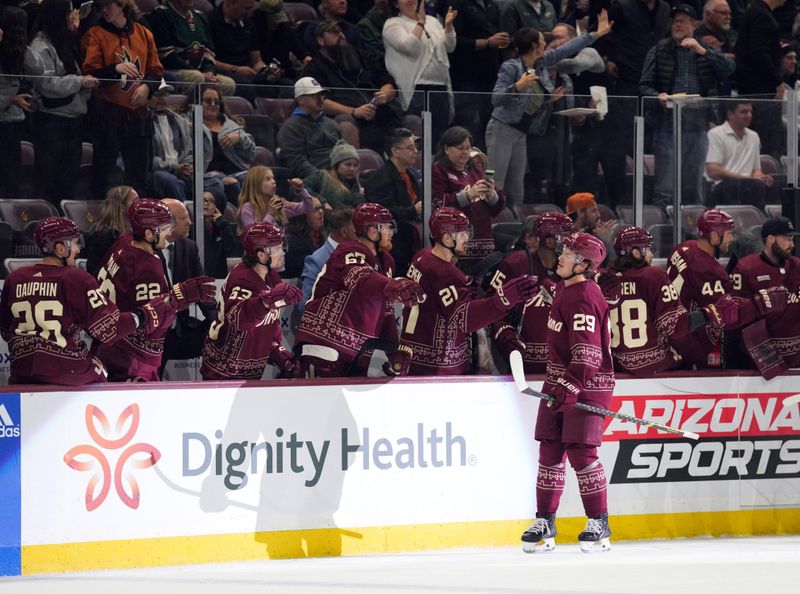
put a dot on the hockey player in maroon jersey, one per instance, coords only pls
(579, 368)
(530, 318)
(755, 277)
(437, 330)
(351, 301)
(247, 332)
(132, 274)
(646, 311)
(702, 282)
(45, 307)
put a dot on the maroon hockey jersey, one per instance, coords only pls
(699, 280)
(533, 313)
(647, 314)
(438, 329)
(755, 272)
(130, 277)
(579, 342)
(43, 310)
(243, 336)
(347, 306)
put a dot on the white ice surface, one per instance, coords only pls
(769, 565)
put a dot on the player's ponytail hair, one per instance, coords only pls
(627, 262)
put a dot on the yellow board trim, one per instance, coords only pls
(150, 552)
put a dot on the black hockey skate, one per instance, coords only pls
(595, 537)
(540, 536)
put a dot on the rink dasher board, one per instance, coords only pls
(404, 465)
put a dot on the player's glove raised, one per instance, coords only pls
(404, 290)
(280, 295)
(156, 315)
(517, 290)
(610, 285)
(722, 313)
(399, 361)
(199, 288)
(771, 300)
(565, 394)
(506, 341)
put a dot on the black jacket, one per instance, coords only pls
(758, 52)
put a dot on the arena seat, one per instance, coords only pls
(277, 109)
(523, 211)
(85, 213)
(300, 11)
(505, 234)
(369, 160)
(13, 264)
(689, 214)
(238, 105)
(662, 239)
(606, 214)
(745, 215)
(203, 6)
(264, 157)
(652, 215)
(232, 262)
(147, 6)
(230, 213)
(773, 210)
(504, 216)
(19, 212)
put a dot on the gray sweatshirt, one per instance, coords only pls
(54, 84)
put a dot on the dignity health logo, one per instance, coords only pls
(88, 458)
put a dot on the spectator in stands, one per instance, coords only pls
(277, 39)
(582, 209)
(517, 14)
(173, 155)
(185, 46)
(364, 114)
(339, 185)
(677, 65)
(416, 57)
(122, 54)
(475, 61)
(370, 29)
(224, 137)
(340, 225)
(733, 160)
(333, 11)
(220, 241)
(520, 98)
(307, 136)
(112, 225)
(14, 101)
(758, 70)
(236, 47)
(53, 59)
(456, 183)
(303, 236)
(258, 201)
(397, 186)
(715, 30)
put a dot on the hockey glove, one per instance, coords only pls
(404, 290)
(199, 288)
(771, 300)
(565, 394)
(399, 361)
(724, 312)
(280, 295)
(610, 285)
(283, 360)
(156, 315)
(517, 290)
(506, 341)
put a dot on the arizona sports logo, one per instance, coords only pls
(742, 436)
(89, 458)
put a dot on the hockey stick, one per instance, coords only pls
(518, 371)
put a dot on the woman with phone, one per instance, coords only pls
(459, 182)
(14, 101)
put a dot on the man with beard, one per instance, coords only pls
(352, 302)
(775, 266)
(338, 67)
(701, 282)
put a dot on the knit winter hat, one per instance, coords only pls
(342, 151)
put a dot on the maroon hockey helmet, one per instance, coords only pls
(631, 238)
(53, 230)
(448, 220)
(587, 247)
(552, 223)
(261, 236)
(714, 219)
(368, 214)
(147, 213)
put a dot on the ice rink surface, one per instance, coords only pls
(768, 565)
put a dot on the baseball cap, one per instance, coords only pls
(307, 86)
(686, 9)
(328, 27)
(778, 226)
(579, 201)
